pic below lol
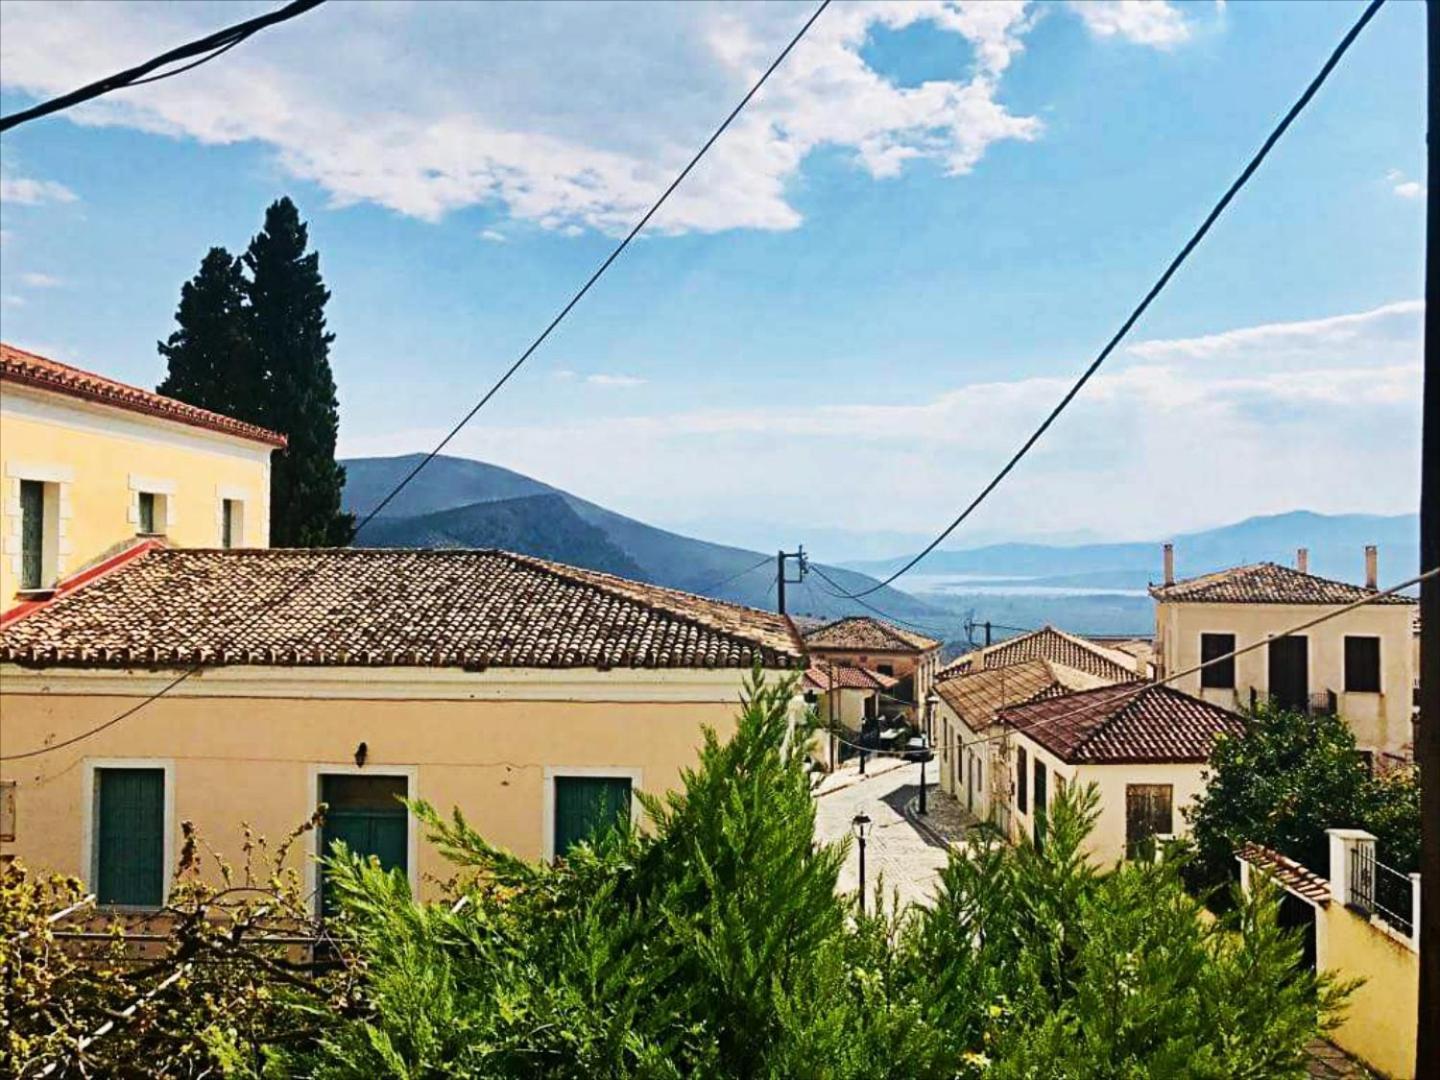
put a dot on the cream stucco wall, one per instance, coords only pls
(244, 746)
(1107, 840)
(1381, 722)
(1379, 1023)
(95, 459)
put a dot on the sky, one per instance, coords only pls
(854, 310)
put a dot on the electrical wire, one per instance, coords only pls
(206, 49)
(704, 590)
(575, 299)
(842, 594)
(1155, 290)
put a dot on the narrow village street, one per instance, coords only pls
(907, 855)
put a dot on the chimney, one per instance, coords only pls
(1302, 560)
(1372, 567)
(1169, 564)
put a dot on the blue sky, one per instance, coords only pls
(857, 306)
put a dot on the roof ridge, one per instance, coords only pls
(1113, 715)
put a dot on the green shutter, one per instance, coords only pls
(364, 813)
(32, 533)
(586, 804)
(147, 512)
(130, 837)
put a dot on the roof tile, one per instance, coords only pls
(864, 632)
(1266, 583)
(1047, 643)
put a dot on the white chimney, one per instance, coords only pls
(1302, 560)
(1169, 564)
(1372, 567)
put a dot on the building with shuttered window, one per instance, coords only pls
(535, 697)
(1143, 746)
(91, 467)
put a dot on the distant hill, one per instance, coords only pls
(542, 525)
(1336, 543)
(458, 502)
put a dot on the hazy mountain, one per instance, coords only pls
(454, 501)
(1336, 543)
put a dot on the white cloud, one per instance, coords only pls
(11, 300)
(603, 379)
(1404, 186)
(40, 281)
(494, 236)
(1185, 433)
(28, 191)
(1143, 22)
(585, 112)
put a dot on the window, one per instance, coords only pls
(1022, 779)
(232, 523)
(587, 805)
(1149, 812)
(1040, 803)
(885, 669)
(32, 534)
(1362, 665)
(129, 837)
(1219, 676)
(149, 513)
(364, 812)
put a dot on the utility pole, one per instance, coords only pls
(1427, 1041)
(781, 580)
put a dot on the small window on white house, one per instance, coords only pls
(232, 523)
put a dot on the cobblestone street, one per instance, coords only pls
(909, 858)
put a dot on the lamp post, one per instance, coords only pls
(860, 823)
(931, 700)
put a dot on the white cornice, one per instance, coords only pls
(396, 683)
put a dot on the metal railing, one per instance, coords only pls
(1381, 891)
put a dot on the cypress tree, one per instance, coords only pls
(209, 357)
(287, 300)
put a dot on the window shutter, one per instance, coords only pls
(584, 805)
(130, 837)
(32, 534)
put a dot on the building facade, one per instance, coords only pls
(90, 466)
(863, 642)
(1360, 664)
(534, 697)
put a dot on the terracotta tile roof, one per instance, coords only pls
(1126, 723)
(388, 607)
(864, 632)
(29, 369)
(1047, 643)
(822, 677)
(977, 698)
(1288, 873)
(1265, 583)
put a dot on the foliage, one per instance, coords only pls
(1285, 780)
(251, 343)
(711, 942)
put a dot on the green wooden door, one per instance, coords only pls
(130, 837)
(32, 534)
(586, 804)
(364, 813)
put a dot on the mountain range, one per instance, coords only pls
(455, 502)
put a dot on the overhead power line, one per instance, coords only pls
(575, 299)
(205, 49)
(1155, 290)
(839, 592)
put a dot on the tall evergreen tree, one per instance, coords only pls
(210, 359)
(287, 328)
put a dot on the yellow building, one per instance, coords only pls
(533, 696)
(974, 688)
(89, 464)
(1144, 746)
(1360, 664)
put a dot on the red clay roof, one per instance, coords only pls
(366, 607)
(978, 697)
(1288, 873)
(1266, 583)
(1047, 643)
(861, 632)
(28, 369)
(1124, 724)
(823, 677)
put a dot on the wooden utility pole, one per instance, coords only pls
(1427, 1042)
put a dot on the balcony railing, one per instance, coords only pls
(1380, 891)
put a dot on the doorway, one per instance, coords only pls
(1290, 673)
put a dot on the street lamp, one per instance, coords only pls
(932, 699)
(860, 823)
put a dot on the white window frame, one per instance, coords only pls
(163, 492)
(241, 497)
(554, 772)
(412, 824)
(90, 793)
(55, 534)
